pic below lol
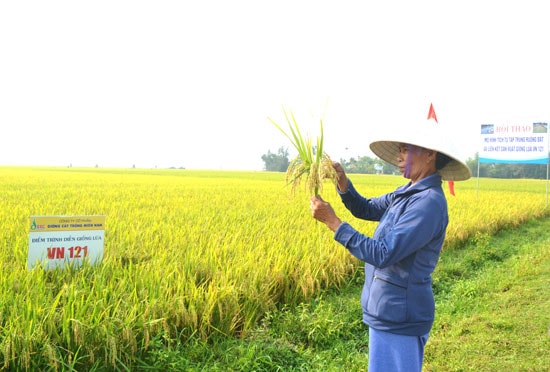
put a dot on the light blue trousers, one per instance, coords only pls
(389, 352)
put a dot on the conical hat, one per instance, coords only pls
(428, 134)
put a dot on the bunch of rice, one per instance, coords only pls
(311, 163)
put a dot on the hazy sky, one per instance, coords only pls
(192, 83)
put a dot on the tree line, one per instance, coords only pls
(279, 161)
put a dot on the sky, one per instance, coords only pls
(192, 83)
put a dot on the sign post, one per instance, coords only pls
(56, 241)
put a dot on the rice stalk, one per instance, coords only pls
(312, 164)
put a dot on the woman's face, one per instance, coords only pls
(415, 162)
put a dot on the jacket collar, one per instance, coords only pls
(433, 180)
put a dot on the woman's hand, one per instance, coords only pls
(342, 178)
(323, 212)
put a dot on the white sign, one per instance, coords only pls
(523, 143)
(55, 241)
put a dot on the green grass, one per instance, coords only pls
(493, 314)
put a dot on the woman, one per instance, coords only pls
(397, 298)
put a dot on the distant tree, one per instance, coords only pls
(363, 164)
(276, 162)
(367, 165)
(504, 170)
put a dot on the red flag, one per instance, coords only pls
(431, 115)
(452, 187)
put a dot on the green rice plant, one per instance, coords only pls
(311, 162)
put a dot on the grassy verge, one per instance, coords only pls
(493, 314)
(496, 314)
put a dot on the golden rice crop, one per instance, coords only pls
(187, 253)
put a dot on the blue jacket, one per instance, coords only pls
(399, 259)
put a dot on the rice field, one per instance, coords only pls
(189, 253)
